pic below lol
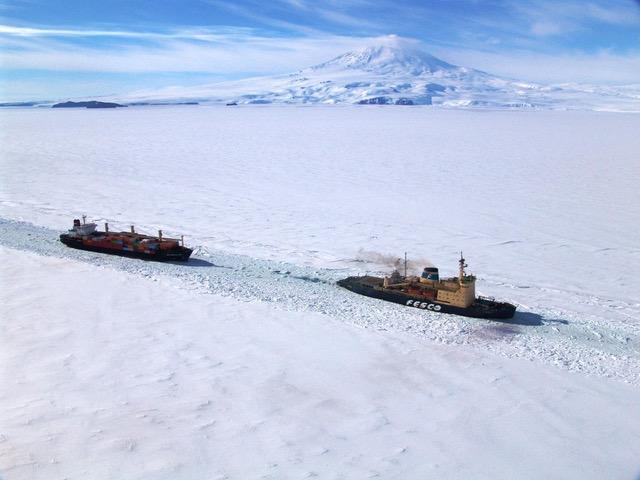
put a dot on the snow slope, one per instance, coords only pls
(397, 71)
(111, 375)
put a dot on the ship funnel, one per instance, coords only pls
(431, 273)
(132, 230)
(106, 227)
(160, 234)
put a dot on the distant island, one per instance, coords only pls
(18, 104)
(89, 104)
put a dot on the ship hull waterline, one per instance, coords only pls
(179, 254)
(481, 308)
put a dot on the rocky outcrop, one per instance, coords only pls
(88, 104)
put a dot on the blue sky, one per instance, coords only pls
(60, 49)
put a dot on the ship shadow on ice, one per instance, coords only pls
(504, 329)
(196, 262)
(530, 319)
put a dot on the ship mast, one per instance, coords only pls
(405, 264)
(461, 273)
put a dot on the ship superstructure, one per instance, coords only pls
(85, 236)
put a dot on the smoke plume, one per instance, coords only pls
(414, 265)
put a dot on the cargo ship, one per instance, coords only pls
(456, 295)
(84, 236)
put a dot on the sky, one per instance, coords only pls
(53, 50)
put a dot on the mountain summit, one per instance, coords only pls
(388, 60)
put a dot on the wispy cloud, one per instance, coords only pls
(265, 19)
(602, 67)
(305, 14)
(547, 18)
(218, 52)
(193, 33)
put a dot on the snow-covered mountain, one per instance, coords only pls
(388, 59)
(398, 72)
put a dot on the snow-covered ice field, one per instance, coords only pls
(109, 375)
(251, 363)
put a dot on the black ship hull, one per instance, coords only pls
(481, 308)
(177, 254)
